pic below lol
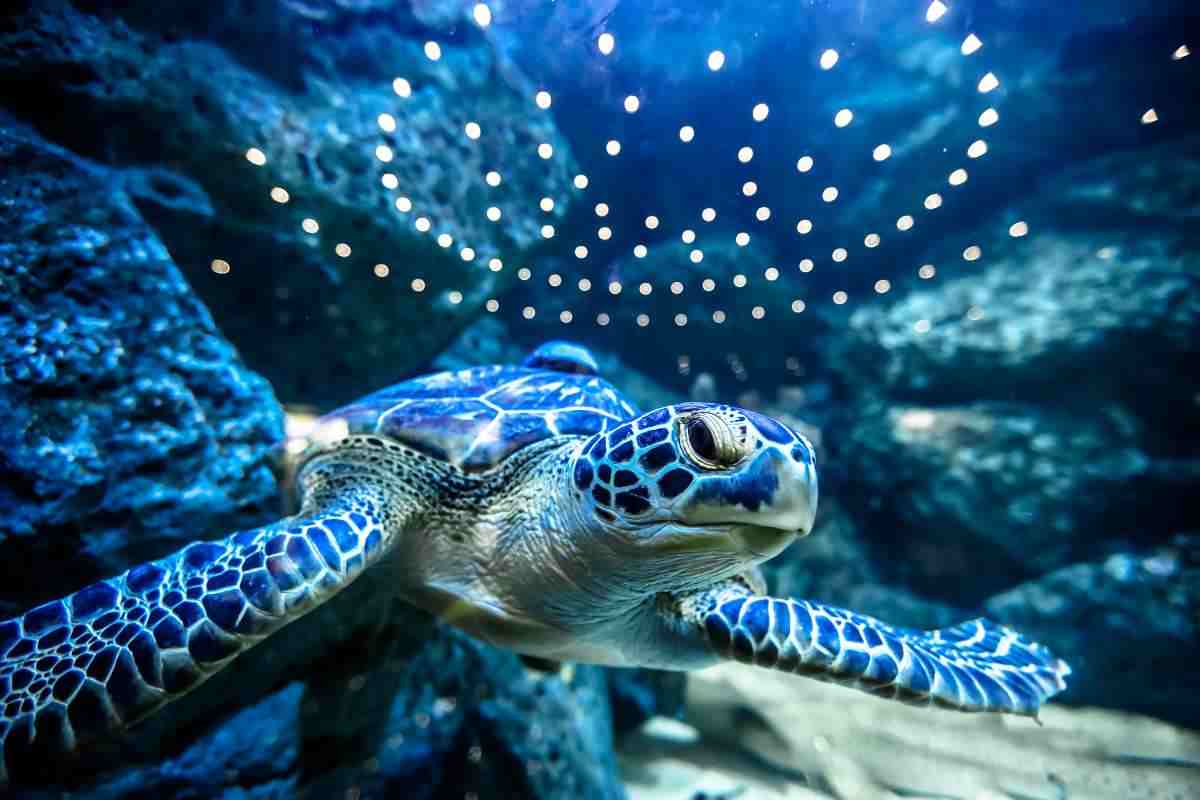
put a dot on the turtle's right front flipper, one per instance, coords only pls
(108, 655)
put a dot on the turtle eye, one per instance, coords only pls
(709, 441)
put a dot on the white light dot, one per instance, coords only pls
(681, 320)
(1150, 117)
(581, 251)
(492, 305)
(760, 112)
(933, 201)
(708, 214)
(387, 123)
(605, 43)
(1018, 229)
(220, 266)
(601, 209)
(645, 288)
(602, 319)
(745, 154)
(545, 151)
(403, 204)
(882, 153)
(482, 15)
(927, 271)
(543, 99)
(494, 213)
(554, 279)
(613, 147)
(547, 231)
(718, 316)
(495, 264)
(688, 236)
(882, 285)
(584, 285)
(423, 224)
(975, 313)
(840, 254)
(639, 250)
(433, 51)
(958, 177)
(762, 214)
(472, 130)
(381, 270)
(804, 227)
(492, 178)
(547, 204)
(843, 118)
(806, 265)
(467, 254)
(749, 188)
(614, 288)
(971, 44)
(524, 274)
(280, 194)
(935, 11)
(797, 306)
(402, 87)
(528, 312)
(565, 316)
(632, 104)
(256, 157)
(921, 326)
(643, 320)
(758, 312)
(418, 285)
(716, 60)
(1181, 53)
(739, 281)
(804, 164)
(978, 148)
(972, 253)
(389, 180)
(742, 239)
(310, 225)
(604, 233)
(581, 181)
(988, 82)
(342, 249)
(839, 297)
(696, 256)
(384, 153)
(708, 284)
(989, 117)
(651, 222)
(829, 58)
(871, 240)
(771, 273)
(445, 240)
(829, 194)
(687, 133)
(676, 287)
(905, 222)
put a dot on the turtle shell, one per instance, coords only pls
(475, 418)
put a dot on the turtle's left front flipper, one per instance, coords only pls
(973, 666)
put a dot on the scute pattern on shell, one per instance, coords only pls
(475, 418)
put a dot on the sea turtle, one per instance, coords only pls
(535, 508)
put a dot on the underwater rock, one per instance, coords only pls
(131, 424)
(198, 93)
(1131, 614)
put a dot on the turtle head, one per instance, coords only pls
(724, 486)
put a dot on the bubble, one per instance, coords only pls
(614, 288)
(760, 112)
(492, 305)
(543, 99)
(708, 214)
(972, 253)
(716, 60)
(342, 249)
(987, 83)
(933, 201)
(1150, 117)
(581, 181)
(798, 306)
(718, 316)
(472, 130)
(384, 153)
(806, 265)
(605, 43)
(632, 104)
(1018, 229)
(602, 319)
(921, 326)
(547, 231)
(402, 87)
(467, 254)
(643, 320)
(546, 204)
(989, 117)
(958, 177)
(601, 209)
(417, 285)
(688, 236)
(739, 281)
(565, 316)
(545, 151)
(444, 240)
(604, 233)
(482, 15)
(829, 194)
(971, 44)
(687, 133)
(581, 251)
(758, 312)
(554, 280)
(840, 297)
(804, 227)
(495, 264)
(681, 320)
(1180, 53)
(387, 123)
(882, 152)
(840, 254)
(871, 240)
(927, 271)
(310, 225)
(676, 287)
(433, 51)
(771, 273)
(423, 224)
(494, 213)
(708, 284)
(613, 147)
(904, 223)
(220, 266)
(528, 312)
(645, 288)
(389, 180)
(639, 250)
(403, 204)
(749, 188)
(280, 194)
(381, 270)
(762, 214)
(935, 11)
(978, 148)
(742, 239)
(584, 285)
(745, 154)
(492, 178)
(829, 58)
(882, 286)
(804, 164)
(843, 118)
(651, 222)
(524, 273)
(256, 157)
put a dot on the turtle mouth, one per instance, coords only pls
(760, 542)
